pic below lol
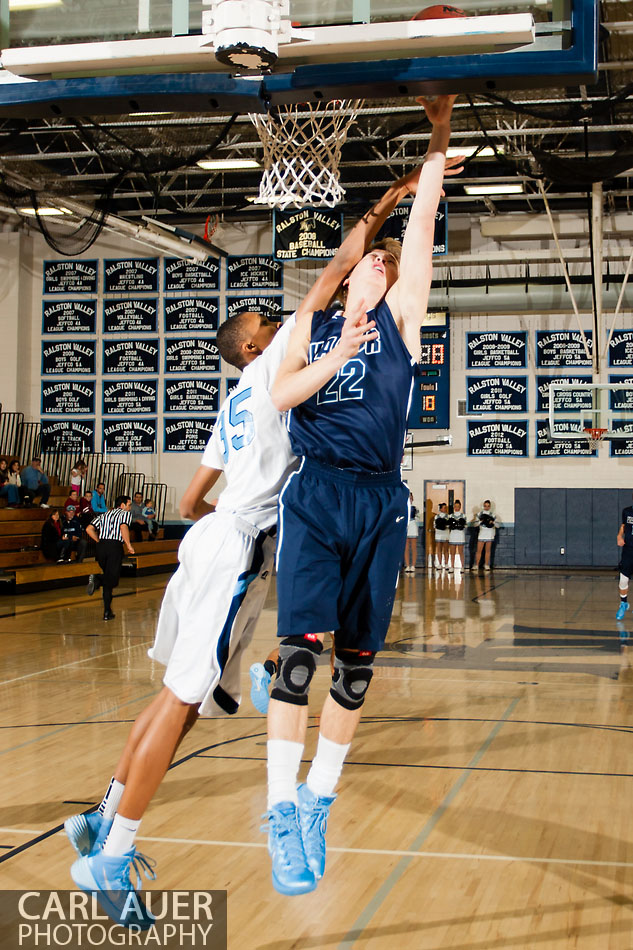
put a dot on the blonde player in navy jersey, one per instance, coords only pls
(347, 380)
(213, 601)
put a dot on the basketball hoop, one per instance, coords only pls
(302, 150)
(594, 437)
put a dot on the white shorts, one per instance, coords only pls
(457, 536)
(441, 535)
(412, 529)
(210, 609)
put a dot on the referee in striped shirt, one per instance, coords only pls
(110, 531)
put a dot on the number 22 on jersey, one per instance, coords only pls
(345, 385)
(237, 429)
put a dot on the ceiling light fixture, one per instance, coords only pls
(228, 164)
(468, 150)
(502, 188)
(44, 212)
(15, 6)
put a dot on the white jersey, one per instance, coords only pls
(250, 443)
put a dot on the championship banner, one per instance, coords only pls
(130, 316)
(496, 394)
(621, 348)
(130, 357)
(187, 314)
(572, 400)
(131, 275)
(69, 316)
(68, 358)
(562, 349)
(129, 436)
(192, 395)
(546, 447)
(496, 350)
(270, 307)
(253, 273)
(306, 235)
(396, 225)
(622, 448)
(187, 435)
(498, 438)
(70, 277)
(70, 397)
(621, 401)
(77, 437)
(130, 397)
(230, 383)
(190, 275)
(191, 356)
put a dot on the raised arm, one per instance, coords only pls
(355, 245)
(408, 297)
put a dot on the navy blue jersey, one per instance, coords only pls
(358, 420)
(627, 521)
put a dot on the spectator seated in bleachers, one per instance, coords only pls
(34, 483)
(139, 524)
(7, 489)
(72, 500)
(15, 480)
(73, 533)
(149, 514)
(52, 545)
(99, 503)
(86, 511)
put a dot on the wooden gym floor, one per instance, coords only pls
(486, 802)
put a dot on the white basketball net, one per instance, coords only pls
(302, 150)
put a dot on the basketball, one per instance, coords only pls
(438, 12)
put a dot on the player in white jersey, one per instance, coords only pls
(214, 599)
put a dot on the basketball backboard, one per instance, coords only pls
(596, 411)
(86, 59)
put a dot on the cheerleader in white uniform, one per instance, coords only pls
(486, 520)
(440, 524)
(411, 548)
(456, 537)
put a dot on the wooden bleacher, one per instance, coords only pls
(23, 567)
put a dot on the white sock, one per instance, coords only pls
(327, 766)
(111, 799)
(284, 759)
(121, 836)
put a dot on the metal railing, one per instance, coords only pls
(19, 439)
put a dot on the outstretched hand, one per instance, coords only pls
(438, 110)
(356, 331)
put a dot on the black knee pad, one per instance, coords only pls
(297, 663)
(351, 678)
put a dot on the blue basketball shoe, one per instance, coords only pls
(87, 833)
(622, 609)
(314, 811)
(108, 878)
(260, 681)
(291, 872)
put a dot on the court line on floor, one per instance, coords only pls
(76, 602)
(377, 852)
(64, 666)
(430, 766)
(372, 907)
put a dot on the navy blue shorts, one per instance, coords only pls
(626, 560)
(341, 543)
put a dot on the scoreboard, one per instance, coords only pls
(430, 404)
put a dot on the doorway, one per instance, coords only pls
(436, 492)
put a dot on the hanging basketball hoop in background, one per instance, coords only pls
(594, 437)
(302, 150)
